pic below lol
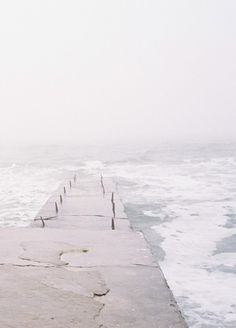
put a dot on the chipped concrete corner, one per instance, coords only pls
(81, 265)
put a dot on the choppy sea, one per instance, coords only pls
(182, 197)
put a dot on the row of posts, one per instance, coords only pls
(64, 191)
(112, 203)
(104, 192)
(56, 204)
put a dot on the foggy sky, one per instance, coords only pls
(90, 70)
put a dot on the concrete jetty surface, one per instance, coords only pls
(80, 265)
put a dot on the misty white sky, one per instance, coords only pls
(88, 70)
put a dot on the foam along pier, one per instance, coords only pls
(81, 265)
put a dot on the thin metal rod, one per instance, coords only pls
(113, 205)
(112, 224)
(42, 220)
(56, 207)
(45, 218)
(103, 188)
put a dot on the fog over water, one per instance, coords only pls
(119, 70)
(142, 92)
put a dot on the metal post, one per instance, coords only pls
(112, 197)
(103, 188)
(113, 205)
(42, 220)
(112, 224)
(56, 207)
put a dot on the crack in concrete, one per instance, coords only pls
(57, 256)
(50, 265)
(112, 266)
(101, 294)
(29, 265)
(93, 295)
(146, 265)
(43, 262)
(96, 316)
(97, 215)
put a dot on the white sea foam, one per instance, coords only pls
(23, 190)
(192, 269)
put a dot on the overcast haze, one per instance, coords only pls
(89, 70)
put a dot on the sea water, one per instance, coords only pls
(182, 197)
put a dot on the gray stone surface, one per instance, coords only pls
(140, 298)
(75, 269)
(55, 298)
(79, 248)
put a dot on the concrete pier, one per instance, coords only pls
(80, 265)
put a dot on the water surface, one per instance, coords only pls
(183, 198)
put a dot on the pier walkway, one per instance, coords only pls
(80, 265)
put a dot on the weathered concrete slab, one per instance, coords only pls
(83, 205)
(85, 197)
(80, 206)
(138, 298)
(49, 298)
(87, 186)
(84, 248)
(75, 268)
